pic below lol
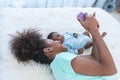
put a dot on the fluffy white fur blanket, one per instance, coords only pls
(49, 19)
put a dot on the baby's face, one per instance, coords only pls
(58, 37)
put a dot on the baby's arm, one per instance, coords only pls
(80, 51)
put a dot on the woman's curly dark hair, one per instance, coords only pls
(29, 45)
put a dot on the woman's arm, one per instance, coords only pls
(95, 52)
(85, 66)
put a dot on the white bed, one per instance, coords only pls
(49, 19)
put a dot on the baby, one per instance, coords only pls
(75, 42)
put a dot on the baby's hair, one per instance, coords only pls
(50, 35)
(29, 45)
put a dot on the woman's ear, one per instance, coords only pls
(48, 49)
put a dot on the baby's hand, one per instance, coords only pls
(80, 51)
(75, 35)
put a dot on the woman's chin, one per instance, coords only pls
(65, 48)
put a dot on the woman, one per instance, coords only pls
(30, 45)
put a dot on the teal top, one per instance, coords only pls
(62, 69)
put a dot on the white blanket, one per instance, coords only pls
(49, 19)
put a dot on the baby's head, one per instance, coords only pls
(56, 37)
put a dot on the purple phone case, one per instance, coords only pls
(81, 16)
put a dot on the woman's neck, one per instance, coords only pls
(51, 57)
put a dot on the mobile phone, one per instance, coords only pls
(81, 15)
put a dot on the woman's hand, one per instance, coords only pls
(90, 23)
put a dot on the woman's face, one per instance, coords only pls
(56, 45)
(53, 48)
(58, 37)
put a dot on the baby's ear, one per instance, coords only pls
(48, 49)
